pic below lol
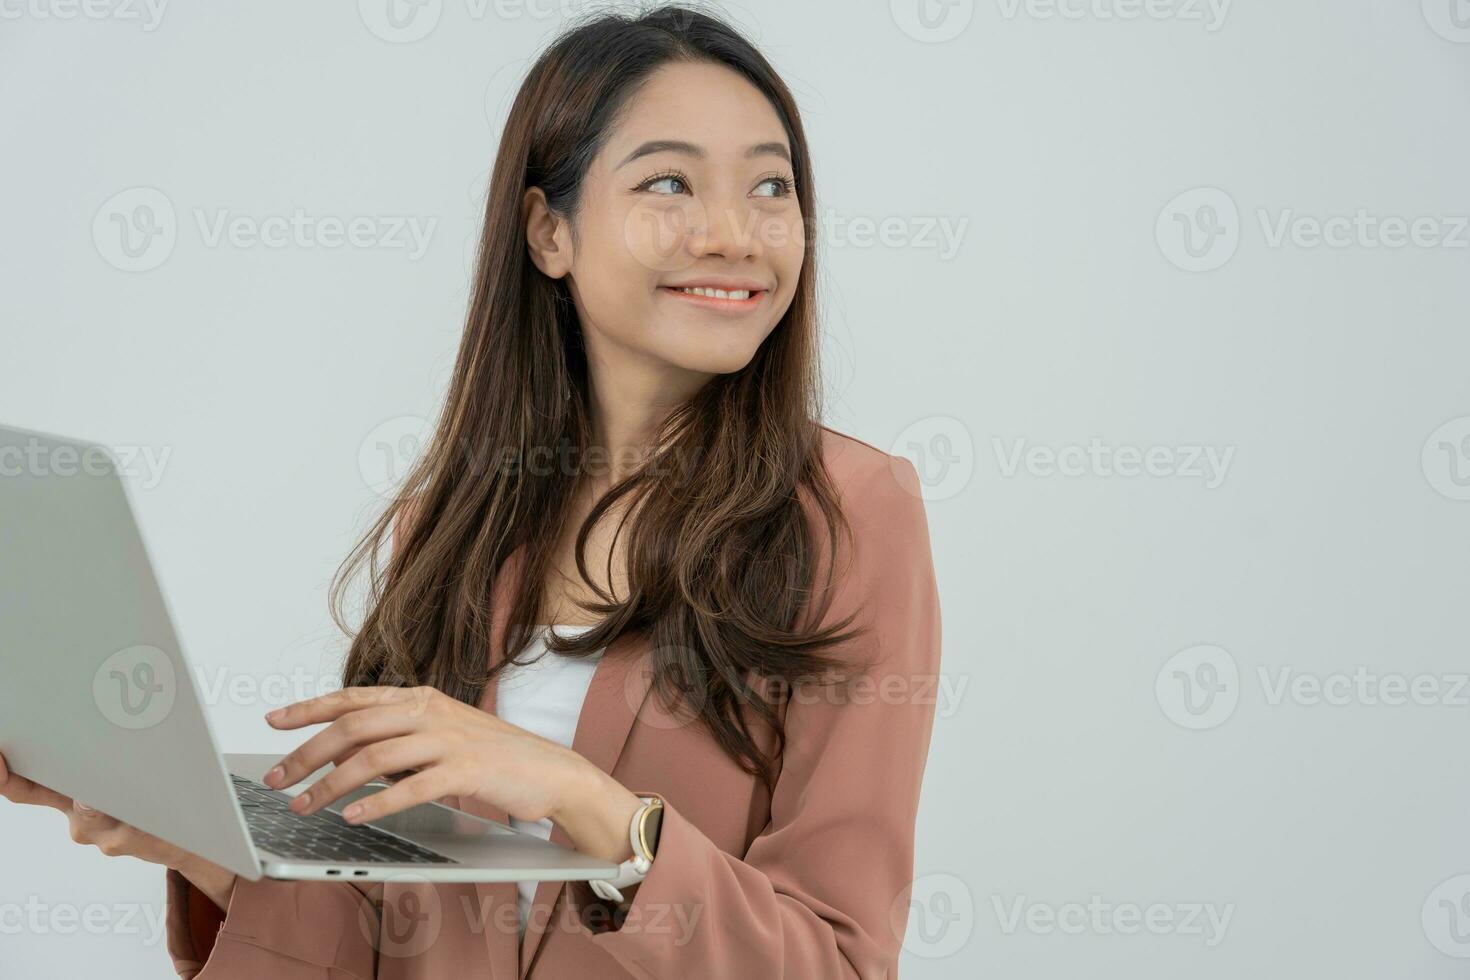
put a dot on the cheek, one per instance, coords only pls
(609, 268)
(613, 281)
(656, 236)
(785, 239)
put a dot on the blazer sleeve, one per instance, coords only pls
(286, 930)
(823, 890)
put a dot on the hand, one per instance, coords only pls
(457, 750)
(116, 839)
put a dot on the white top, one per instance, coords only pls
(544, 697)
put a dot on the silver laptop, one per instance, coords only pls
(97, 701)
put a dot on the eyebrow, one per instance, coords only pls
(690, 149)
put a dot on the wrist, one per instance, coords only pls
(214, 881)
(595, 815)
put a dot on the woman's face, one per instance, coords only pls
(694, 188)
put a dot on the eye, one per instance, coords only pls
(784, 186)
(670, 177)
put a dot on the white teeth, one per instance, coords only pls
(716, 293)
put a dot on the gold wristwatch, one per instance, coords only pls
(643, 837)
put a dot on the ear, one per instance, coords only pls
(548, 238)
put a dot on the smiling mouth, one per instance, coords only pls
(724, 300)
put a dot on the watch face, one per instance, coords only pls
(655, 818)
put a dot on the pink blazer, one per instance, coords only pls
(809, 882)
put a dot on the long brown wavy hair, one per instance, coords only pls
(721, 553)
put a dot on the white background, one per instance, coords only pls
(1054, 143)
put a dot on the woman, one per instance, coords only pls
(747, 618)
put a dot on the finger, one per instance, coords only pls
(86, 828)
(393, 755)
(354, 730)
(112, 838)
(391, 777)
(329, 707)
(18, 789)
(81, 830)
(421, 787)
(92, 817)
(120, 841)
(105, 836)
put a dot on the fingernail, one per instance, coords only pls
(353, 812)
(301, 802)
(275, 715)
(275, 775)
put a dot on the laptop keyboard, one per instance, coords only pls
(321, 836)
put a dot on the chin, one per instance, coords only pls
(708, 361)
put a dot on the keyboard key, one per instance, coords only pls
(321, 836)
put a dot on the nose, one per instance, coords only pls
(729, 230)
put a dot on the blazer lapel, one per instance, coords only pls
(492, 897)
(620, 684)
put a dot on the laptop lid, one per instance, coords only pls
(96, 698)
